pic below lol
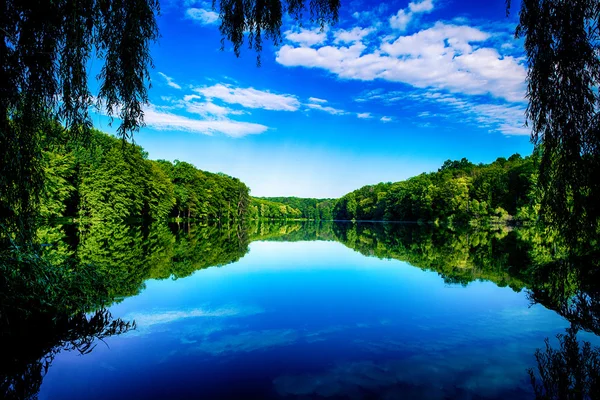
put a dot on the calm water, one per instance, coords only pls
(313, 319)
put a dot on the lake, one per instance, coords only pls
(308, 311)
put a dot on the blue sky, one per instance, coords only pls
(394, 89)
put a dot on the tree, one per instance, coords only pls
(258, 18)
(562, 44)
(45, 49)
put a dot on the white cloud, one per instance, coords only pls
(208, 108)
(444, 57)
(365, 115)
(170, 81)
(330, 110)
(307, 37)
(386, 119)
(250, 97)
(316, 100)
(350, 36)
(400, 20)
(422, 6)
(204, 17)
(146, 320)
(506, 118)
(190, 97)
(404, 17)
(164, 120)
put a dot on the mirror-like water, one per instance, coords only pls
(312, 319)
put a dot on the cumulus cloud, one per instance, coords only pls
(351, 36)
(250, 97)
(444, 56)
(405, 16)
(202, 16)
(385, 119)
(365, 115)
(316, 100)
(170, 81)
(306, 37)
(421, 6)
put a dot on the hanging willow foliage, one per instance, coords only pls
(262, 19)
(562, 40)
(46, 48)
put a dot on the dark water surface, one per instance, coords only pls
(317, 319)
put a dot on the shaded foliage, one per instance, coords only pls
(45, 49)
(260, 19)
(562, 40)
(571, 372)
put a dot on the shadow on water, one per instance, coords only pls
(30, 345)
(569, 286)
(119, 258)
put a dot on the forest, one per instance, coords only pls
(111, 180)
(459, 192)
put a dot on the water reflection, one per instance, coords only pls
(127, 256)
(29, 346)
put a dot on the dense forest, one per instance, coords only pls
(308, 208)
(111, 180)
(458, 192)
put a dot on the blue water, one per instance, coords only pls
(309, 320)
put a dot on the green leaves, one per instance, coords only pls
(562, 47)
(45, 49)
(458, 193)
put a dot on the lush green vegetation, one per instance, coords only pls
(458, 192)
(312, 209)
(111, 180)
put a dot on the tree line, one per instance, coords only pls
(113, 180)
(459, 192)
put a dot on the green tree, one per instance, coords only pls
(45, 49)
(562, 47)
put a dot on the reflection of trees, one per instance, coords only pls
(569, 286)
(200, 246)
(98, 264)
(458, 256)
(44, 300)
(84, 269)
(293, 231)
(570, 372)
(29, 346)
(566, 280)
